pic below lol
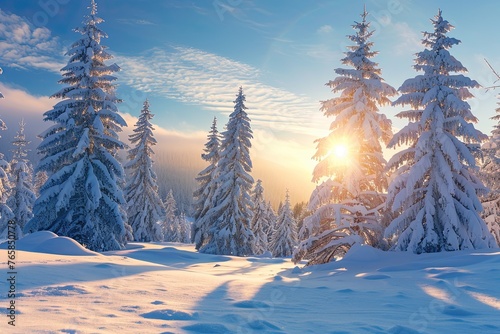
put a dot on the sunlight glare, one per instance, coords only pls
(340, 151)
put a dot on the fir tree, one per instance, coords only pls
(185, 229)
(230, 233)
(6, 213)
(145, 208)
(260, 220)
(435, 191)
(204, 196)
(491, 178)
(347, 206)
(82, 198)
(22, 196)
(271, 218)
(284, 239)
(170, 224)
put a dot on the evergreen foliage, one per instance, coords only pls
(145, 208)
(348, 205)
(284, 239)
(82, 198)
(230, 232)
(6, 213)
(204, 196)
(170, 225)
(260, 221)
(22, 196)
(434, 194)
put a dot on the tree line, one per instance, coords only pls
(431, 196)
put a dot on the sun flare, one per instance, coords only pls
(340, 151)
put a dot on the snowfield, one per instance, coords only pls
(169, 288)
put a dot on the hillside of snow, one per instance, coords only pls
(169, 288)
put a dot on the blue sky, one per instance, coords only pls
(190, 57)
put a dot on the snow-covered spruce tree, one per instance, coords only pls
(284, 239)
(260, 220)
(82, 198)
(271, 218)
(490, 175)
(6, 213)
(204, 198)
(170, 224)
(22, 196)
(435, 191)
(145, 208)
(231, 233)
(185, 229)
(347, 206)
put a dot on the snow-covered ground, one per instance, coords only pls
(169, 288)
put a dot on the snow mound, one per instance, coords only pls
(171, 315)
(363, 253)
(50, 243)
(63, 246)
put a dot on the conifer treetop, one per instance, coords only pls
(20, 151)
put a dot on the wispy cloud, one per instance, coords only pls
(410, 41)
(135, 22)
(183, 74)
(24, 46)
(326, 29)
(197, 77)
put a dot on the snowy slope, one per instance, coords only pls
(169, 288)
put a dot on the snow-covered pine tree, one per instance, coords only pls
(82, 198)
(6, 213)
(230, 233)
(347, 206)
(435, 191)
(170, 224)
(185, 229)
(22, 197)
(260, 221)
(204, 198)
(284, 239)
(271, 219)
(145, 208)
(490, 175)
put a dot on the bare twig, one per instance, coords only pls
(496, 74)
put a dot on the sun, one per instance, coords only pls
(340, 151)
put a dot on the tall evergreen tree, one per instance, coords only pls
(230, 233)
(435, 191)
(22, 197)
(347, 206)
(145, 208)
(491, 178)
(184, 228)
(271, 218)
(170, 224)
(260, 219)
(204, 196)
(284, 239)
(6, 213)
(82, 198)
